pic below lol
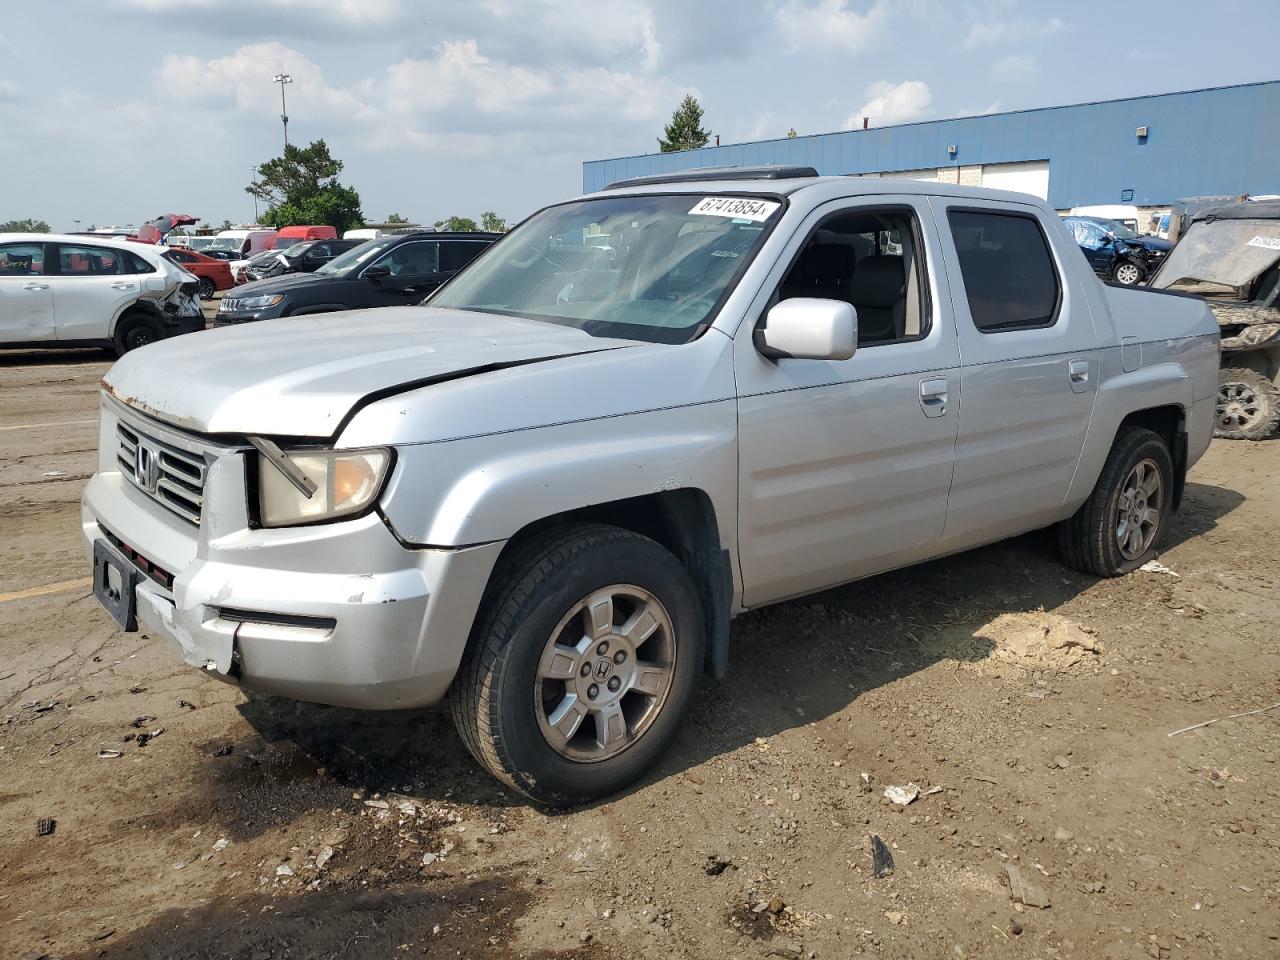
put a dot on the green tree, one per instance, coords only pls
(791, 134)
(396, 218)
(24, 226)
(684, 132)
(302, 187)
(457, 225)
(490, 222)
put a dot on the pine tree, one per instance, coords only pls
(685, 132)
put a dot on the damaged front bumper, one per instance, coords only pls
(339, 613)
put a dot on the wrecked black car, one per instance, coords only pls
(1230, 255)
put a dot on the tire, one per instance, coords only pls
(207, 289)
(1248, 405)
(1091, 540)
(1127, 273)
(504, 705)
(135, 331)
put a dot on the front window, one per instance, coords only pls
(649, 267)
(357, 256)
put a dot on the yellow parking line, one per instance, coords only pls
(55, 423)
(60, 587)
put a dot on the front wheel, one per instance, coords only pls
(1127, 273)
(207, 289)
(1248, 405)
(1120, 526)
(583, 664)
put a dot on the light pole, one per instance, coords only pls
(282, 79)
(254, 172)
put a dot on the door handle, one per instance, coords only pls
(121, 285)
(933, 396)
(34, 285)
(1078, 371)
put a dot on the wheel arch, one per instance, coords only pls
(1169, 422)
(144, 308)
(684, 522)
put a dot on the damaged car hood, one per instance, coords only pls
(301, 376)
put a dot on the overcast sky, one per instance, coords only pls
(114, 111)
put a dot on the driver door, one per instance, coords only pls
(845, 465)
(415, 272)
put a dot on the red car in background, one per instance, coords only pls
(214, 274)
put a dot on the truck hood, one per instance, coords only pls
(302, 376)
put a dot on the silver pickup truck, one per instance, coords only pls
(546, 493)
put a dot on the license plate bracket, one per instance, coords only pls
(115, 579)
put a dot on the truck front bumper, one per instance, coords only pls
(339, 613)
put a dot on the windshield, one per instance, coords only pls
(357, 256)
(296, 250)
(225, 243)
(668, 263)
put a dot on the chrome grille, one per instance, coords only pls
(174, 478)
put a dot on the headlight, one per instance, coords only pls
(257, 303)
(347, 481)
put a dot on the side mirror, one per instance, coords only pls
(377, 272)
(806, 328)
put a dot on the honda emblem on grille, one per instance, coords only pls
(146, 467)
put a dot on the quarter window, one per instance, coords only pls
(870, 259)
(1009, 277)
(21, 259)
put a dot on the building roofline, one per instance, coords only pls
(937, 120)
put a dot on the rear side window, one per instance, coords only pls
(456, 255)
(21, 259)
(138, 265)
(1009, 277)
(78, 261)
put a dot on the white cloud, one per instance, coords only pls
(830, 23)
(1015, 69)
(455, 96)
(343, 11)
(997, 29)
(893, 103)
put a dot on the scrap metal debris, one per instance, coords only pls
(881, 858)
(45, 826)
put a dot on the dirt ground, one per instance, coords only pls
(1030, 705)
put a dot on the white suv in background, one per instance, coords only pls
(77, 291)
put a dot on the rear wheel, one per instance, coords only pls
(1120, 526)
(1248, 405)
(583, 665)
(207, 289)
(1127, 273)
(136, 331)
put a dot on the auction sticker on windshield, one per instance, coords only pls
(740, 208)
(1269, 243)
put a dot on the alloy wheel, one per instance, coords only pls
(1128, 274)
(1138, 510)
(1239, 406)
(605, 673)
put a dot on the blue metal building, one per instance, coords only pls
(1145, 151)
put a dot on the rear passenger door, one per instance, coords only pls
(91, 286)
(1029, 368)
(845, 465)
